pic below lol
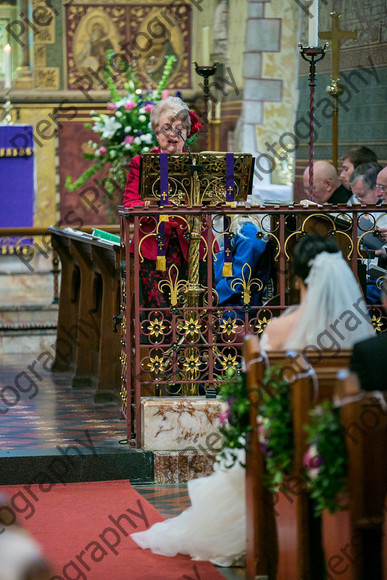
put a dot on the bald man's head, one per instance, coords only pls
(326, 181)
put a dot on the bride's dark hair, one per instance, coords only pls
(307, 249)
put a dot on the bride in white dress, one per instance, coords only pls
(214, 526)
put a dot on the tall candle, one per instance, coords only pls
(218, 110)
(7, 66)
(206, 45)
(313, 24)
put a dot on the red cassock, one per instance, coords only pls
(132, 199)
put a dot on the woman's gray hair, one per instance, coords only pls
(177, 109)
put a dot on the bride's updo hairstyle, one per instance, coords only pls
(307, 249)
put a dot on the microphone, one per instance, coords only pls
(186, 144)
(180, 134)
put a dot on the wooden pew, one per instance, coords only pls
(68, 307)
(86, 323)
(308, 561)
(326, 365)
(261, 533)
(364, 420)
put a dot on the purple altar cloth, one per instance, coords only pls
(16, 176)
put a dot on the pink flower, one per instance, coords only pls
(164, 94)
(223, 417)
(312, 461)
(102, 150)
(111, 106)
(130, 105)
(128, 140)
(148, 108)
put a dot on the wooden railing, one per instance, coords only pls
(25, 248)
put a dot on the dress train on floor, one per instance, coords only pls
(214, 526)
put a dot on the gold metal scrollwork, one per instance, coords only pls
(175, 286)
(247, 284)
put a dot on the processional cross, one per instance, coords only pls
(335, 89)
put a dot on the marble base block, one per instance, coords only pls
(184, 423)
(181, 466)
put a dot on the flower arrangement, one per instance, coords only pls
(326, 460)
(124, 133)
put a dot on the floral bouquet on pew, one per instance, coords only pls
(325, 460)
(123, 133)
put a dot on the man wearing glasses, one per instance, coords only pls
(363, 183)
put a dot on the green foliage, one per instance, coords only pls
(326, 433)
(235, 420)
(276, 427)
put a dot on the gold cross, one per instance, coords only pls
(230, 190)
(164, 196)
(336, 35)
(228, 251)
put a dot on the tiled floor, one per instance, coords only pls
(49, 412)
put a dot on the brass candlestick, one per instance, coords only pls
(312, 54)
(206, 72)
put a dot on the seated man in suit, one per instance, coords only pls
(352, 159)
(369, 357)
(327, 185)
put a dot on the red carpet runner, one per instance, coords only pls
(84, 529)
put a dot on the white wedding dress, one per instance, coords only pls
(214, 526)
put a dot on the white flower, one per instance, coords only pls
(142, 118)
(145, 150)
(97, 153)
(112, 154)
(106, 126)
(128, 129)
(92, 112)
(142, 111)
(118, 114)
(127, 146)
(137, 141)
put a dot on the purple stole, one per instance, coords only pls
(227, 267)
(160, 260)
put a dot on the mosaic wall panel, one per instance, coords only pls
(149, 32)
